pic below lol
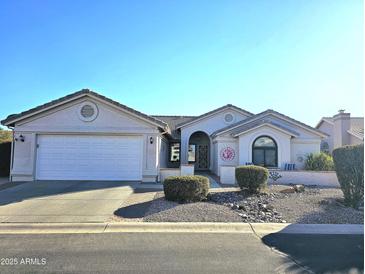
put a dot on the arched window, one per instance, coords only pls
(265, 152)
(325, 147)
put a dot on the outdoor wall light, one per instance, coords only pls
(151, 140)
(21, 138)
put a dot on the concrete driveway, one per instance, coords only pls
(61, 201)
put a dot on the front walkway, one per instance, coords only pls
(213, 181)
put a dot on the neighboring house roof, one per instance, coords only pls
(197, 118)
(255, 124)
(173, 121)
(325, 119)
(11, 119)
(264, 114)
(356, 125)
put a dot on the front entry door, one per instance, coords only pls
(203, 157)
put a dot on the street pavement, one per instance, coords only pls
(181, 253)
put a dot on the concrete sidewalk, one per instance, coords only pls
(259, 229)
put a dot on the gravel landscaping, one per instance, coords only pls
(314, 205)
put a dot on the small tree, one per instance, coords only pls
(349, 166)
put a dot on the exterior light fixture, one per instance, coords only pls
(21, 138)
(151, 140)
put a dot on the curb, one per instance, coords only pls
(259, 229)
(329, 229)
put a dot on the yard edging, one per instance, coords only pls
(138, 227)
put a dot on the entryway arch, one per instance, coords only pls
(199, 150)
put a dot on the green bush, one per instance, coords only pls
(5, 151)
(5, 136)
(349, 166)
(253, 178)
(192, 188)
(319, 162)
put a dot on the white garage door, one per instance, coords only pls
(78, 157)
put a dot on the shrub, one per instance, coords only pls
(254, 178)
(192, 188)
(349, 166)
(5, 136)
(319, 162)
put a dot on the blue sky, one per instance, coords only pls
(302, 58)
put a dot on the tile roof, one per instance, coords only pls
(12, 117)
(357, 127)
(173, 121)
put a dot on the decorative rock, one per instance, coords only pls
(288, 190)
(235, 207)
(242, 207)
(299, 188)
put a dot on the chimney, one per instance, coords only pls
(341, 126)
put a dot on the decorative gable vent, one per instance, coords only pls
(229, 118)
(88, 111)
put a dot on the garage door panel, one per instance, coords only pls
(68, 157)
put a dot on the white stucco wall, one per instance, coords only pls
(300, 148)
(65, 120)
(221, 144)
(208, 125)
(282, 140)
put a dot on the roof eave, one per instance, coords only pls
(9, 121)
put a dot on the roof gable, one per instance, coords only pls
(265, 114)
(262, 123)
(11, 119)
(213, 112)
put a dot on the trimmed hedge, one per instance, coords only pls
(319, 162)
(192, 188)
(349, 166)
(253, 178)
(5, 151)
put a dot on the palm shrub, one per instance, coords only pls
(252, 178)
(349, 166)
(319, 162)
(192, 188)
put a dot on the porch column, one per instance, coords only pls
(184, 151)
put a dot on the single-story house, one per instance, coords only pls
(86, 136)
(342, 129)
